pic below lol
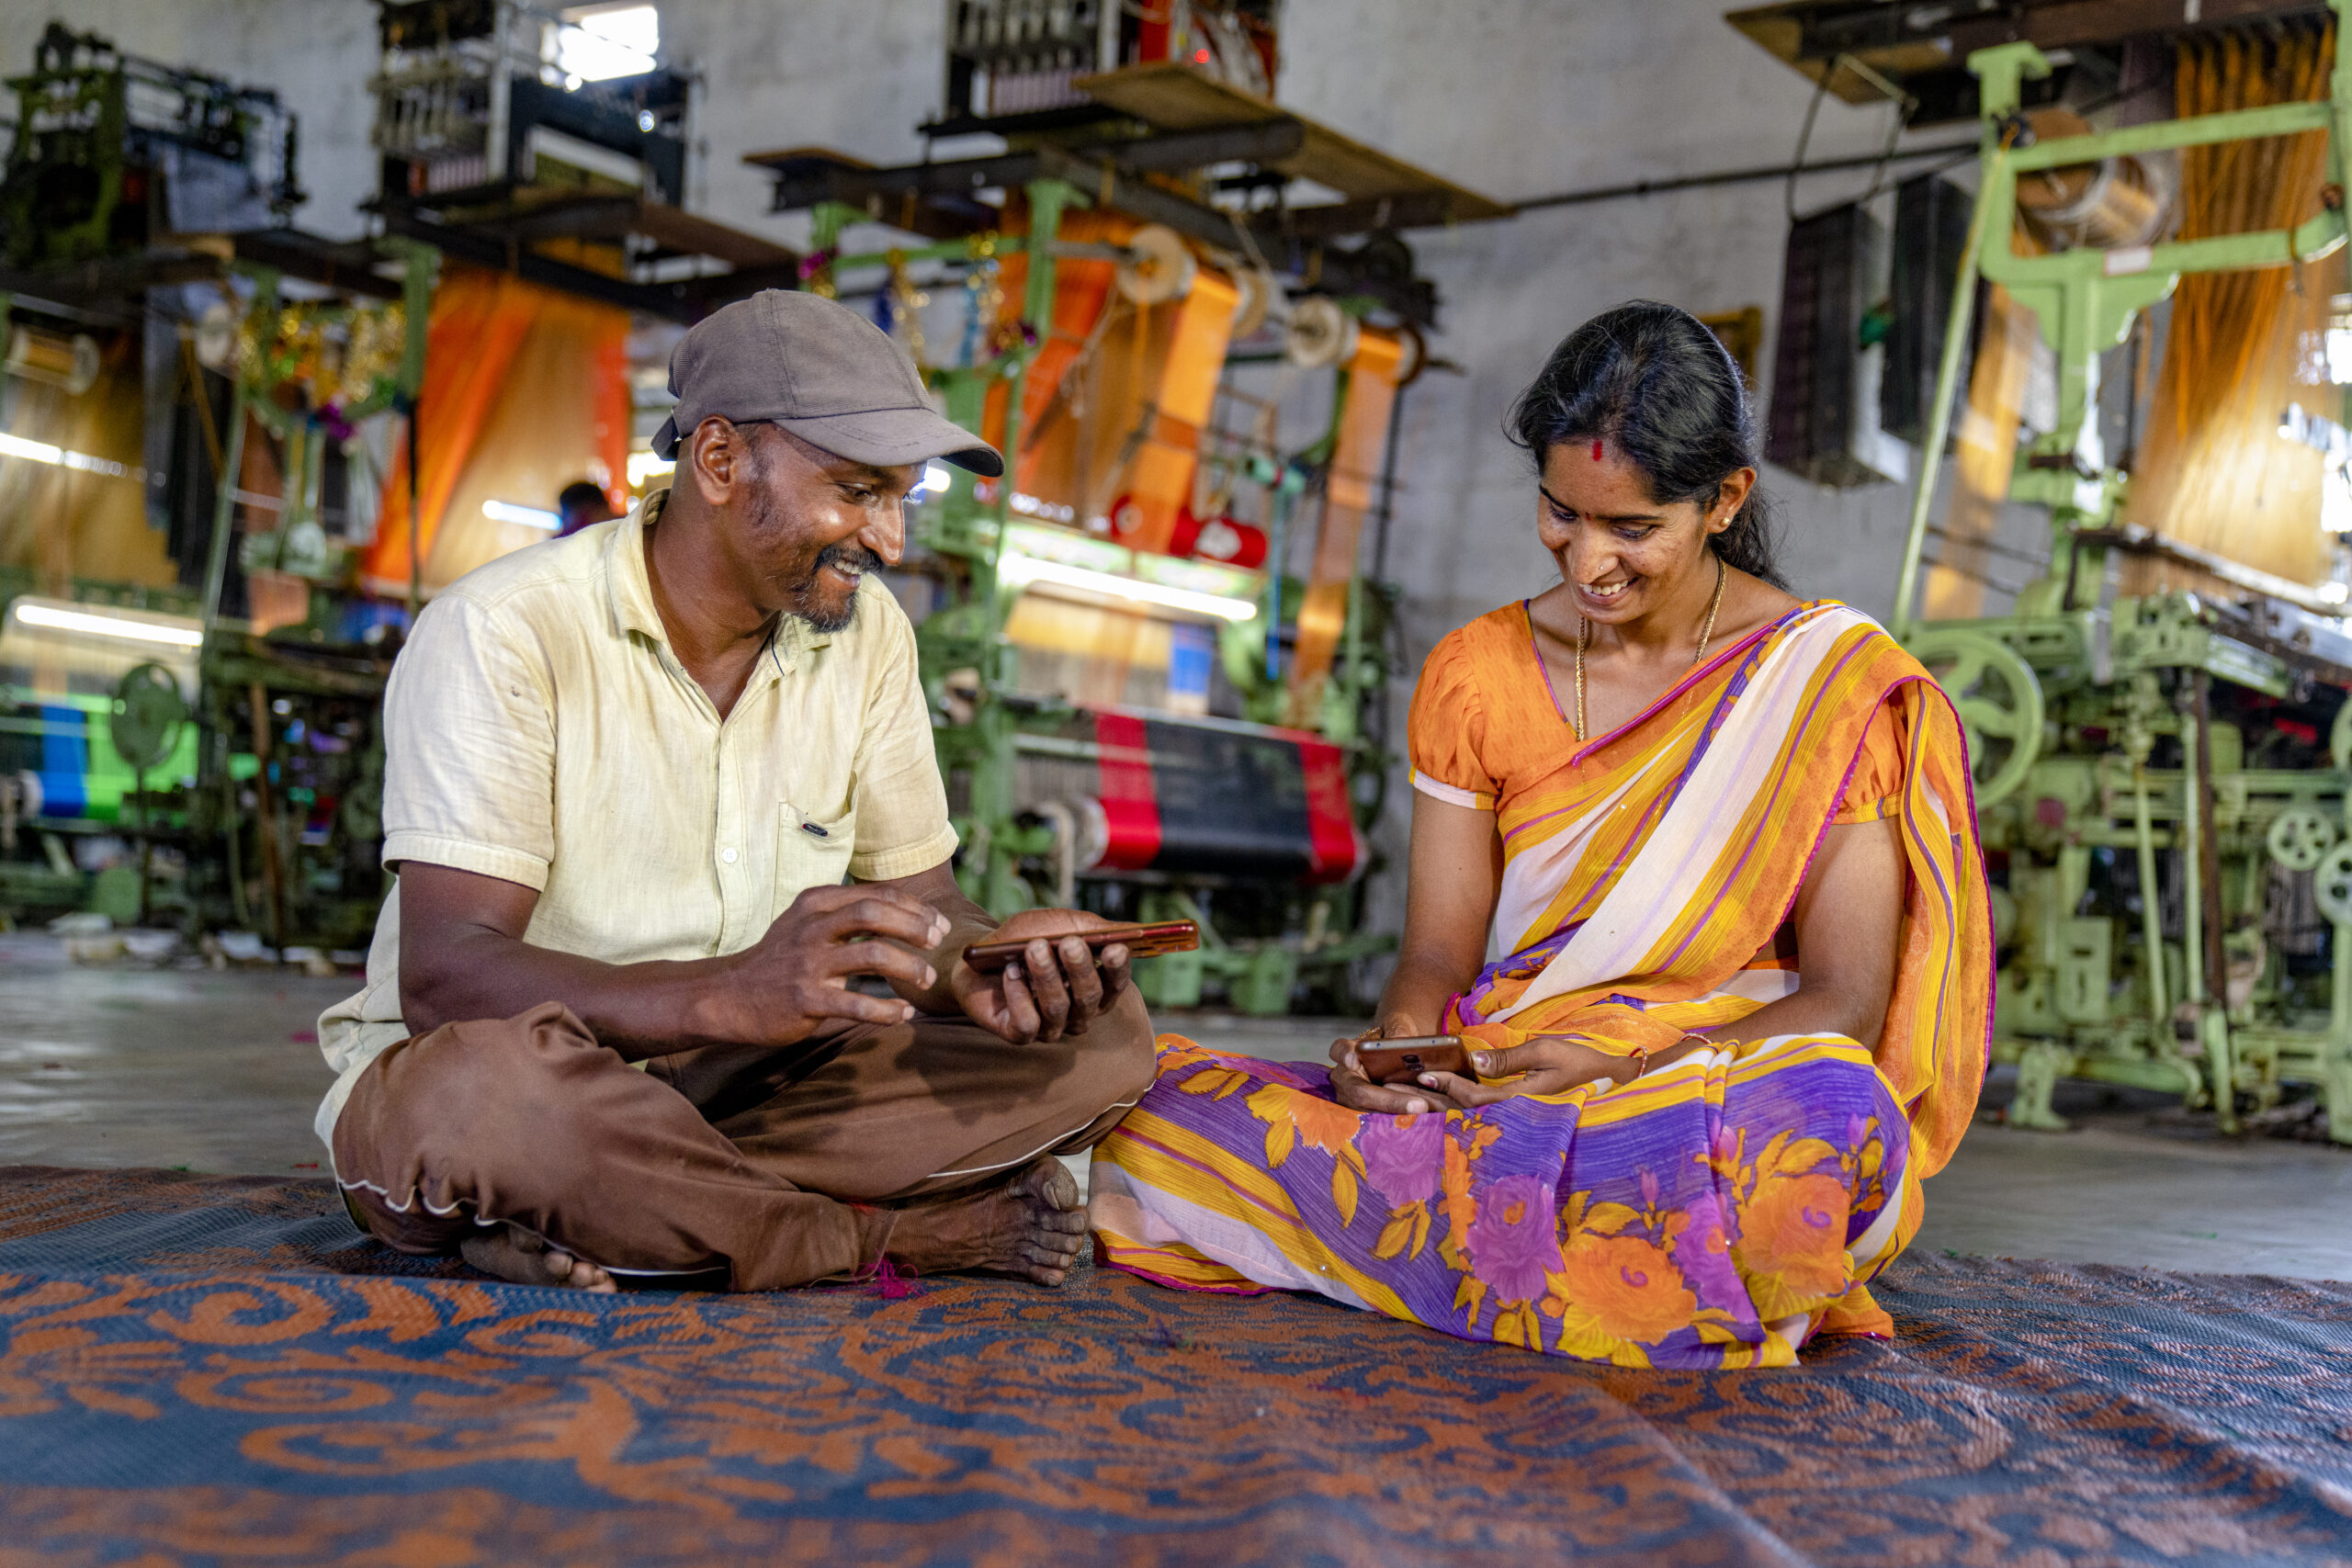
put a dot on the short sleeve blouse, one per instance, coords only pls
(1491, 668)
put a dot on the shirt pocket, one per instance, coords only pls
(811, 852)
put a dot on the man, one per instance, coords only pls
(627, 773)
(582, 504)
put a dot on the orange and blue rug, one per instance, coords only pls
(221, 1371)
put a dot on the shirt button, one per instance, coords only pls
(726, 855)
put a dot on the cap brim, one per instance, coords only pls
(888, 437)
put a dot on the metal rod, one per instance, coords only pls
(2152, 915)
(415, 514)
(2213, 1022)
(1957, 150)
(225, 513)
(1931, 450)
(1387, 487)
(2189, 835)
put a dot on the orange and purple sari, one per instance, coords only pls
(1717, 1211)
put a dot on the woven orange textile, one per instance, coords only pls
(2213, 472)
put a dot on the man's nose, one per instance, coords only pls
(886, 535)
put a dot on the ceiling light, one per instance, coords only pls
(1128, 588)
(528, 516)
(58, 617)
(644, 465)
(42, 452)
(605, 41)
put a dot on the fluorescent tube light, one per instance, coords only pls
(1128, 588)
(58, 457)
(99, 624)
(528, 516)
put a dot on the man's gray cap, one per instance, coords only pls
(821, 370)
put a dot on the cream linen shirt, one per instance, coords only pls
(539, 729)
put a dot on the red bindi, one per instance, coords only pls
(1596, 448)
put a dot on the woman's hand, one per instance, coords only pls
(1549, 1064)
(1351, 1088)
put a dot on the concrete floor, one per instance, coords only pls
(219, 1071)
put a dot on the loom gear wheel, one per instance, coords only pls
(2331, 884)
(1999, 703)
(1320, 335)
(148, 713)
(2300, 838)
(1161, 266)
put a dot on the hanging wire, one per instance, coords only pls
(1904, 104)
(1804, 136)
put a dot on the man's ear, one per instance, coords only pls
(716, 457)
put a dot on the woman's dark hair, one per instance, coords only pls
(1652, 380)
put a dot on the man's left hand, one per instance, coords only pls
(1055, 989)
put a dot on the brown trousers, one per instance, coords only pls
(776, 1166)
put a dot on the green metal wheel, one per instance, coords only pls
(1998, 700)
(2331, 884)
(2300, 838)
(148, 713)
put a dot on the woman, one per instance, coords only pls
(1695, 871)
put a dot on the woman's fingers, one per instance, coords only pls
(1469, 1094)
(1466, 1093)
(1357, 1093)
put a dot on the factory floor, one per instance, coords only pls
(218, 1071)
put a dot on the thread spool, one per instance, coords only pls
(1320, 335)
(2114, 202)
(1162, 267)
(54, 360)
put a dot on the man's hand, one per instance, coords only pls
(1055, 989)
(787, 985)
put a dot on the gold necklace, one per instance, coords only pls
(1706, 633)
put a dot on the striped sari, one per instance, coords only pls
(1718, 1210)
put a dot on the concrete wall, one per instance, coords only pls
(1514, 97)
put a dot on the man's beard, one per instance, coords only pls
(852, 560)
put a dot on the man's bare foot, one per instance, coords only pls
(1033, 1228)
(526, 1259)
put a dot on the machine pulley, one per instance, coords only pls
(2300, 838)
(148, 713)
(1998, 700)
(2331, 884)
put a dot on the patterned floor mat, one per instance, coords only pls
(221, 1371)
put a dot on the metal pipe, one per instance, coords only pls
(224, 512)
(2190, 836)
(2213, 1019)
(2152, 915)
(1958, 151)
(1931, 451)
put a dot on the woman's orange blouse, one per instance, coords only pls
(1487, 724)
